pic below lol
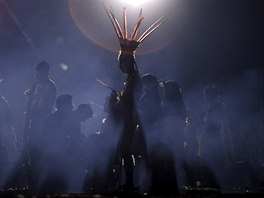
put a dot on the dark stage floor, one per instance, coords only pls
(188, 193)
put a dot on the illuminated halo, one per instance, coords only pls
(90, 18)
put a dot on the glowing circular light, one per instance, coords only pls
(135, 2)
(93, 22)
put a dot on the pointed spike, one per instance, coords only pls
(137, 28)
(150, 28)
(140, 13)
(125, 22)
(117, 24)
(135, 31)
(112, 21)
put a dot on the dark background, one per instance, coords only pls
(220, 42)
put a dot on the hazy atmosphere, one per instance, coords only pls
(202, 43)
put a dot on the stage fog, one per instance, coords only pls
(203, 45)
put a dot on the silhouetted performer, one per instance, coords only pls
(127, 104)
(129, 96)
(40, 100)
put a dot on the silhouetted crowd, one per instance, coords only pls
(148, 142)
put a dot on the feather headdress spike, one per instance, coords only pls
(151, 29)
(129, 45)
(135, 31)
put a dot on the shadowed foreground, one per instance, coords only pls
(187, 192)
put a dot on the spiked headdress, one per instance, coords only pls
(129, 45)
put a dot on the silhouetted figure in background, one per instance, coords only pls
(5, 127)
(173, 103)
(53, 164)
(192, 157)
(77, 149)
(150, 103)
(40, 100)
(170, 139)
(76, 140)
(174, 111)
(175, 116)
(150, 112)
(11, 169)
(104, 162)
(5, 134)
(212, 145)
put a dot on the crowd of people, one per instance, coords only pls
(148, 142)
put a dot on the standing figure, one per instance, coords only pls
(131, 93)
(4, 127)
(174, 115)
(77, 148)
(171, 129)
(5, 131)
(213, 145)
(11, 170)
(53, 147)
(128, 103)
(104, 169)
(150, 103)
(149, 108)
(40, 100)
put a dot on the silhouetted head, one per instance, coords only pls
(149, 82)
(172, 91)
(126, 63)
(83, 112)
(42, 71)
(210, 93)
(64, 103)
